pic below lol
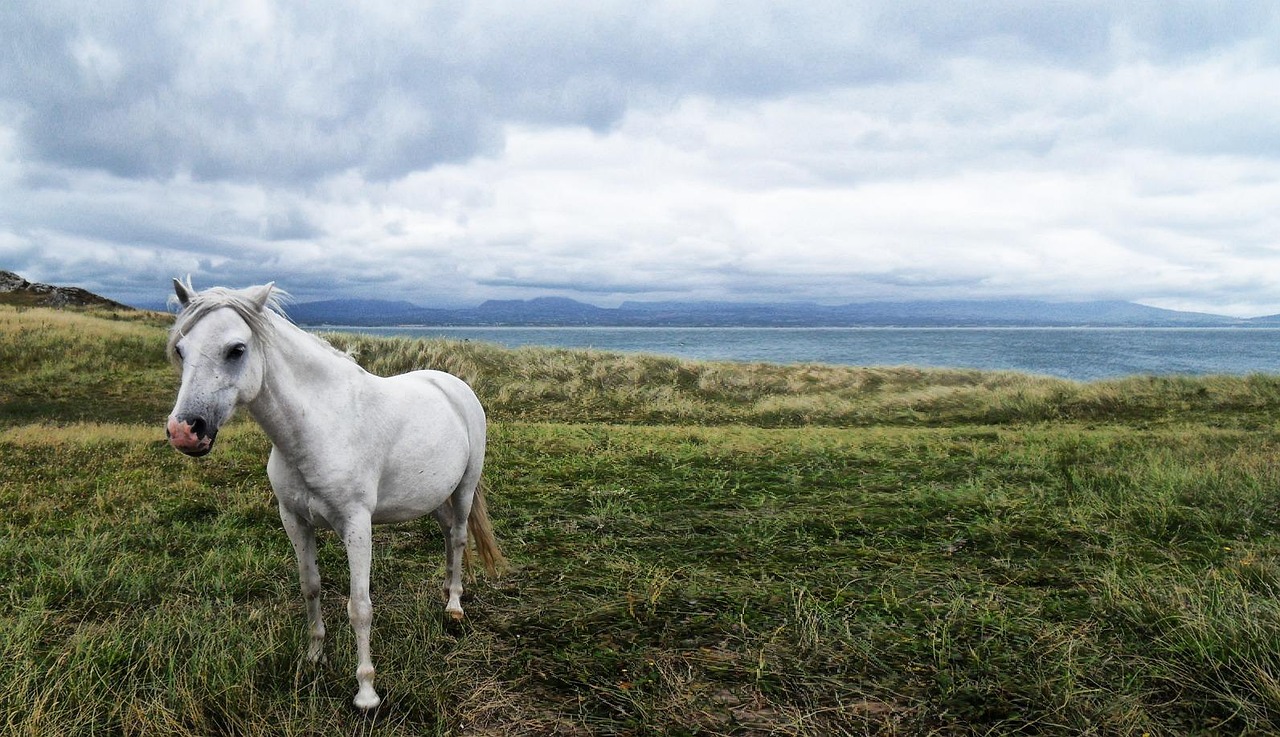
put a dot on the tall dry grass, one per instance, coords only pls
(589, 386)
(77, 367)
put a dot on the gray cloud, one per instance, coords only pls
(292, 92)
(832, 151)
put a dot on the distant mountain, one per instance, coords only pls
(540, 311)
(14, 290)
(562, 312)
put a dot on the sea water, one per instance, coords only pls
(1082, 354)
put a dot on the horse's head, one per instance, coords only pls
(217, 343)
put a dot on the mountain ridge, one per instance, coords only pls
(558, 311)
(565, 312)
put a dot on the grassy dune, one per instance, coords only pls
(73, 367)
(699, 548)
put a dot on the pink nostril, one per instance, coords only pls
(181, 435)
(191, 435)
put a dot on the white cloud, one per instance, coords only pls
(458, 152)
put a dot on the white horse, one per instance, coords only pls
(349, 449)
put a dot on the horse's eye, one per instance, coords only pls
(177, 349)
(235, 351)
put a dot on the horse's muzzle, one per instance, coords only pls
(193, 436)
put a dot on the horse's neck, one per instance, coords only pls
(300, 372)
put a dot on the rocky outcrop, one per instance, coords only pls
(16, 290)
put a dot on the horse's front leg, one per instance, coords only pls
(303, 537)
(357, 535)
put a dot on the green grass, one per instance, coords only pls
(66, 366)
(950, 553)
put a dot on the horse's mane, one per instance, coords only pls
(260, 321)
(240, 300)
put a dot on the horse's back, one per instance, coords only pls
(441, 400)
(458, 392)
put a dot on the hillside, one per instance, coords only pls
(70, 366)
(14, 290)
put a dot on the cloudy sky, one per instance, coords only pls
(451, 152)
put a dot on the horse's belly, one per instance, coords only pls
(404, 507)
(412, 489)
(398, 514)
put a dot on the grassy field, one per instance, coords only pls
(698, 548)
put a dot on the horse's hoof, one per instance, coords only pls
(367, 700)
(456, 615)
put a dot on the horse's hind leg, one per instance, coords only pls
(357, 535)
(450, 523)
(303, 537)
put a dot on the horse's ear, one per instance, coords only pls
(261, 295)
(184, 296)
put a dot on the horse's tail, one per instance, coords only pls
(480, 530)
